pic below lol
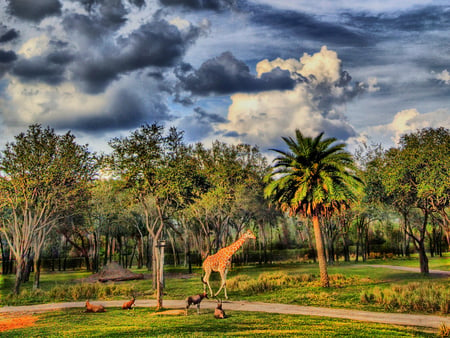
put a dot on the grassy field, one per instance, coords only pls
(143, 323)
(294, 283)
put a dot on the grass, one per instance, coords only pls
(292, 283)
(140, 322)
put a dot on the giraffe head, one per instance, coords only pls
(249, 234)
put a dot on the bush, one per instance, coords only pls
(444, 330)
(422, 297)
(71, 292)
(274, 281)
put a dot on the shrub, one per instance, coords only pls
(422, 297)
(444, 330)
(274, 281)
(69, 292)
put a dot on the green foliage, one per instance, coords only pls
(316, 175)
(414, 296)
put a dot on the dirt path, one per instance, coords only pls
(406, 268)
(378, 317)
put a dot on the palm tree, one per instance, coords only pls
(314, 178)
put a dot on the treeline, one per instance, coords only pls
(59, 200)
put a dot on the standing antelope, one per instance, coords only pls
(195, 300)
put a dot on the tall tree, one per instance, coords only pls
(416, 177)
(42, 176)
(315, 177)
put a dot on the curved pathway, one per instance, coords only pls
(378, 317)
(405, 268)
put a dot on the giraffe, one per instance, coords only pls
(221, 262)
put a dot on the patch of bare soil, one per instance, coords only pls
(175, 312)
(113, 272)
(16, 321)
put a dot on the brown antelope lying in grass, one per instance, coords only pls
(128, 305)
(94, 308)
(218, 312)
(195, 300)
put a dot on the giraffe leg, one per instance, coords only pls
(206, 282)
(223, 276)
(225, 284)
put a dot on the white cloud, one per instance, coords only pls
(372, 85)
(312, 106)
(35, 46)
(407, 121)
(444, 76)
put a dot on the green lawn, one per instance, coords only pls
(345, 291)
(140, 322)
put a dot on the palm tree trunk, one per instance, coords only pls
(324, 280)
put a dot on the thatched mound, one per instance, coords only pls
(113, 272)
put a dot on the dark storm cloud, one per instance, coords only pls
(7, 56)
(325, 94)
(299, 25)
(226, 75)
(87, 27)
(155, 44)
(34, 10)
(199, 124)
(9, 35)
(60, 57)
(109, 13)
(216, 5)
(201, 115)
(127, 111)
(427, 18)
(39, 69)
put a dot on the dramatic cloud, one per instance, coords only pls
(419, 19)
(199, 125)
(8, 36)
(312, 106)
(39, 69)
(407, 121)
(34, 10)
(154, 44)
(65, 107)
(226, 75)
(127, 110)
(299, 25)
(216, 5)
(7, 56)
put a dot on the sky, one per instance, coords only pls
(364, 72)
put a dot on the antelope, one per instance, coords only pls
(195, 300)
(94, 308)
(218, 312)
(128, 305)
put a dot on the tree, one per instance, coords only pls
(43, 175)
(314, 178)
(416, 177)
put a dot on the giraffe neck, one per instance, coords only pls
(231, 249)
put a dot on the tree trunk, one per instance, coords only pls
(423, 259)
(19, 271)
(37, 273)
(325, 282)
